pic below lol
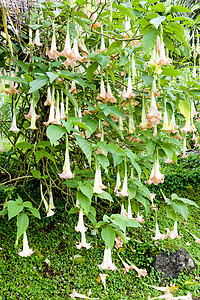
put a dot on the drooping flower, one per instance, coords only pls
(158, 235)
(12, 90)
(102, 94)
(57, 118)
(139, 218)
(83, 242)
(53, 53)
(103, 279)
(123, 211)
(31, 112)
(143, 124)
(109, 96)
(37, 39)
(49, 211)
(66, 173)
(80, 226)
(13, 127)
(26, 250)
(156, 176)
(174, 233)
(107, 263)
(48, 100)
(98, 185)
(162, 60)
(197, 240)
(119, 242)
(129, 93)
(51, 204)
(118, 182)
(124, 191)
(153, 115)
(52, 110)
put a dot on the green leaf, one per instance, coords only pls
(187, 201)
(150, 146)
(157, 21)
(71, 183)
(87, 190)
(170, 71)
(114, 110)
(149, 40)
(35, 212)
(108, 235)
(36, 174)
(147, 79)
(73, 210)
(103, 60)
(106, 196)
(85, 146)
(24, 145)
(52, 76)
(13, 209)
(90, 70)
(179, 8)
(84, 201)
(37, 84)
(103, 160)
(181, 208)
(3, 212)
(115, 127)
(55, 132)
(168, 150)
(38, 155)
(22, 224)
(184, 108)
(27, 204)
(132, 157)
(171, 213)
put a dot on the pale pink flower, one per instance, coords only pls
(143, 124)
(188, 127)
(37, 38)
(124, 191)
(1, 143)
(83, 242)
(174, 233)
(139, 218)
(129, 93)
(103, 279)
(127, 267)
(31, 112)
(153, 115)
(109, 96)
(131, 125)
(80, 226)
(107, 263)
(67, 49)
(26, 250)
(12, 89)
(48, 100)
(66, 173)
(13, 127)
(123, 211)
(197, 240)
(49, 211)
(53, 53)
(102, 94)
(98, 185)
(118, 183)
(119, 242)
(163, 60)
(156, 176)
(158, 235)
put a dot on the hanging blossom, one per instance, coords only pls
(48, 100)
(139, 218)
(124, 191)
(156, 176)
(48, 209)
(53, 53)
(158, 235)
(66, 173)
(102, 94)
(37, 38)
(123, 211)
(107, 263)
(129, 93)
(174, 233)
(98, 185)
(31, 111)
(12, 90)
(13, 127)
(162, 60)
(143, 124)
(80, 226)
(57, 116)
(83, 242)
(26, 250)
(51, 202)
(119, 242)
(153, 115)
(127, 268)
(184, 148)
(118, 182)
(109, 96)
(52, 110)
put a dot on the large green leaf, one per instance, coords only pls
(55, 132)
(108, 235)
(86, 189)
(84, 201)
(13, 208)
(22, 224)
(157, 21)
(90, 70)
(149, 40)
(85, 146)
(103, 60)
(38, 83)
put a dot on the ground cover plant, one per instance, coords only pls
(98, 124)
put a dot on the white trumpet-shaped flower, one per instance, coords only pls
(107, 263)
(80, 226)
(26, 250)
(83, 242)
(66, 173)
(158, 235)
(98, 185)
(13, 127)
